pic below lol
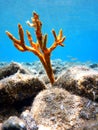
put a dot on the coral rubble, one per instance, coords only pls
(39, 48)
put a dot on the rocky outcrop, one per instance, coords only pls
(11, 69)
(57, 109)
(18, 86)
(67, 105)
(80, 80)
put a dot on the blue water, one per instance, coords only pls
(77, 18)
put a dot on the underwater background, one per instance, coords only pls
(77, 18)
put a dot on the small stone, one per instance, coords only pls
(94, 65)
(28, 119)
(14, 123)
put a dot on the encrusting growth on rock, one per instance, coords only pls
(39, 48)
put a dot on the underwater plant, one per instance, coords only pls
(39, 48)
